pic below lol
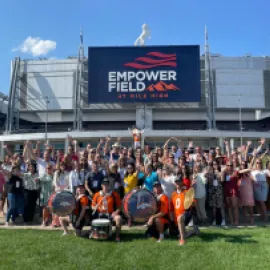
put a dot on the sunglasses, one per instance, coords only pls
(229, 165)
(129, 168)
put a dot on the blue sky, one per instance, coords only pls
(235, 27)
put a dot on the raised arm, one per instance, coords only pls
(166, 143)
(190, 145)
(106, 148)
(262, 142)
(30, 151)
(38, 147)
(25, 151)
(249, 143)
(228, 150)
(101, 141)
(264, 154)
(9, 152)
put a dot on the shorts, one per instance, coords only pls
(187, 215)
(1, 196)
(153, 232)
(164, 221)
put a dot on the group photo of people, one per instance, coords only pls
(182, 186)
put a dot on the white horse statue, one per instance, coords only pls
(140, 41)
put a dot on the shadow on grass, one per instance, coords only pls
(125, 237)
(231, 238)
(204, 236)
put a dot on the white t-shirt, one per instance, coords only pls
(7, 167)
(167, 185)
(259, 176)
(177, 155)
(76, 178)
(199, 187)
(41, 166)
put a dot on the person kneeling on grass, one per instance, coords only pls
(106, 204)
(79, 215)
(178, 214)
(160, 221)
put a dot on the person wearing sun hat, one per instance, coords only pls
(115, 153)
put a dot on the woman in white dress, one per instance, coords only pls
(260, 187)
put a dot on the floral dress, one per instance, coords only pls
(46, 184)
(216, 198)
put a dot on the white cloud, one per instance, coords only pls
(36, 46)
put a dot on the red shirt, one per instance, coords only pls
(187, 182)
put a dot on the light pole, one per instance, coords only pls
(46, 121)
(240, 120)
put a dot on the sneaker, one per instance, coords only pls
(181, 242)
(191, 223)
(160, 238)
(64, 234)
(117, 239)
(214, 223)
(223, 223)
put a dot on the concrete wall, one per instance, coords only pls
(52, 78)
(240, 87)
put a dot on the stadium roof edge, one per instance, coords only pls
(126, 133)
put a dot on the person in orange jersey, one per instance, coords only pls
(137, 136)
(159, 222)
(107, 204)
(178, 214)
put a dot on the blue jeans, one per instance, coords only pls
(16, 206)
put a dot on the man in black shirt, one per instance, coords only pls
(93, 180)
(15, 195)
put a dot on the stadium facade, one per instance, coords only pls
(235, 102)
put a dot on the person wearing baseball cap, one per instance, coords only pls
(159, 222)
(107, 204)
(178, 213)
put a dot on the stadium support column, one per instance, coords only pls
(144, 119)
(2, 150)
(221, 144)
(232, 144)
(66, 144)
(77, 124)
(81, 82)
(207, 81)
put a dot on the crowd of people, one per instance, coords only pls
(227, 183)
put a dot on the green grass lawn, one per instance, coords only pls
(213, 249)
